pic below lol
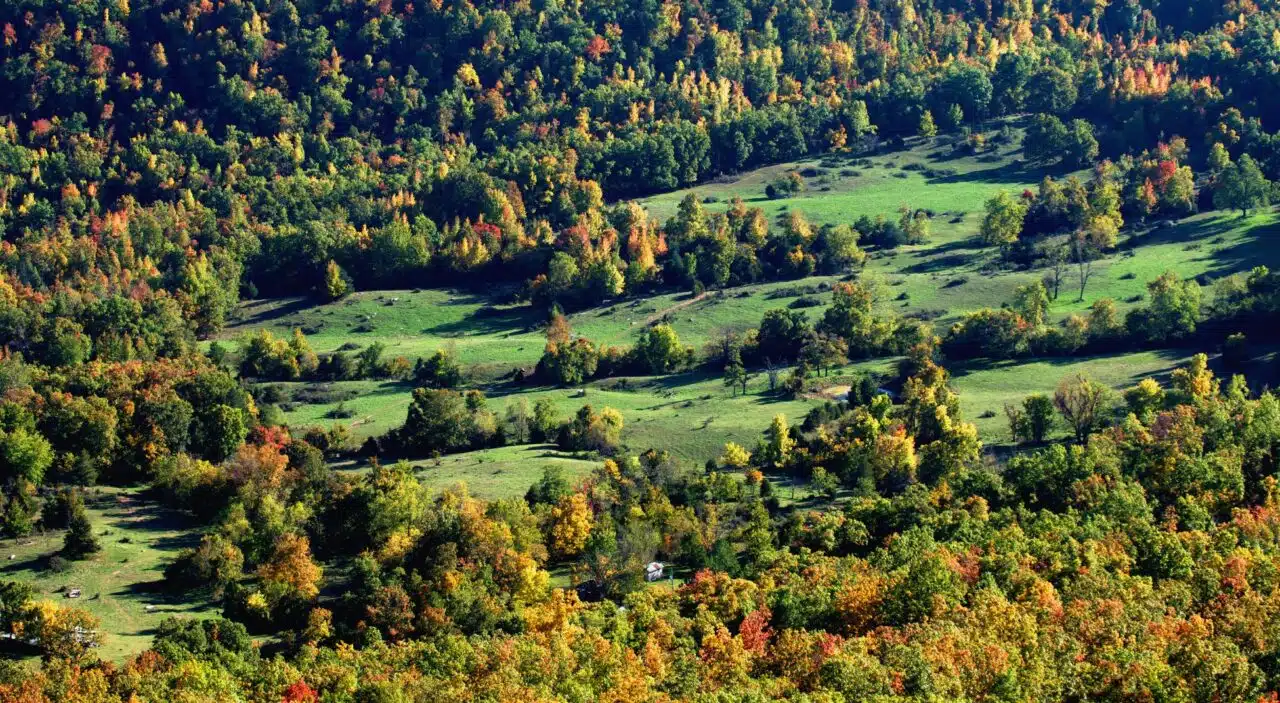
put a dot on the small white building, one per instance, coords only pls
(653, 571)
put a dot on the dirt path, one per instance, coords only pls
(678, 306)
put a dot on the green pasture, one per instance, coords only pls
(120, 582)
(691, 415)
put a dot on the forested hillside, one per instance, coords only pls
(812, 350)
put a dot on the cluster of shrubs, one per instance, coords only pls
(442, 421)
(1172, 315)
(265, 357)
(572, 360)
(785, 186)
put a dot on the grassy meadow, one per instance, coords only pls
(119, 583)
(944, 278)
(692, 414)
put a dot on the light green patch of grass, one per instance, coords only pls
(846, 187)
(1211, 245)
(377, 406)
(691, 414)
(698, 319)
(501, 472)
(117, 584)
(985, 387)
(410, 323)
(491, 343)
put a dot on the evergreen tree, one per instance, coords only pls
(928, 128)
(79, 542)
(735, 375)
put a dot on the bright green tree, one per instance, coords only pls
(928, 128)
(1003, 222)
(79, 541)
(1242, 186)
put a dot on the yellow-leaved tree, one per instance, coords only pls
(571, 523)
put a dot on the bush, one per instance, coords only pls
(805, 301)
(341, 412)
(658, 350)
(440, 370)
(784, 186)
(592, 431)
(1235, 351)
(79, 541)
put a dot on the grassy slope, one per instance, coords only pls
(846, 187)
(691, 415)
(944, 275)
(986, 387)
(121, 580)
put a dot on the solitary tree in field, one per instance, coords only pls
(1083, 253)
(658, 348)
(336, 284)
(734, 456)
(735, 375)
(1039, 413)
(1003, 222)
(80, 541)
(1082, 402)
(928, 128)
(778, 447)
(1058, 258)
(1032, 302)
(1242, 186)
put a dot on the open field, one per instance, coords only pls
(691, 415)
(495, 339)
(491, 339)
(985, 387)
(942, 279)
(120, 582)
(501, 472)
(842, 187)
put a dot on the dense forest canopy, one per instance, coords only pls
(162, 161)
(210, 149)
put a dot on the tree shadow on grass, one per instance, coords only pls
(1173, 355)
(972, 243)
(1014, 173)
(947, 262)
(142, 514)
(487, 319)
(1254, 248)
(35, 562)
(262, 312)
(1186, 231)
(176, 543)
